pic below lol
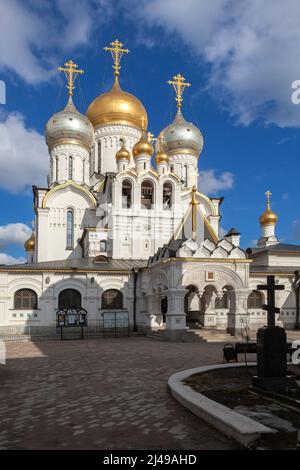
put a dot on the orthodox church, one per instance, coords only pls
(129, 237)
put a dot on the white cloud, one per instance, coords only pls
(209, 183)
(7, 259)
(23, 155)
(33, 33)
(251, 47)
(16, 233)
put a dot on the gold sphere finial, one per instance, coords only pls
(161, 156)
(143, 146)
(29, 245)
(268, 217)
(123, 153)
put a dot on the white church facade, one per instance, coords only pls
(120, 230)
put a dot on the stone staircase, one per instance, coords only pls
(197, 335)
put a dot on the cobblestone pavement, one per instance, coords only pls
(101, 394)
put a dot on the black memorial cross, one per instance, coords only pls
(271, 287)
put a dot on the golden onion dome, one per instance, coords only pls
(161, 157)
(117, 107)
(268, 217)
(123, 153)
(69, 127)
(30, 243)
(142, 147)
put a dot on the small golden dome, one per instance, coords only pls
(117, 107)
(162, 157)
(268, 217)
(123, 154)
(30, 243)
(143, 146)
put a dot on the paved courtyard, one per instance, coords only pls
(101, 394)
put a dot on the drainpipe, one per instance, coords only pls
(297, 292)
(135, 273)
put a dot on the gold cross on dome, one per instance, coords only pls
(179, 85)
(71, 71)
(161, 139)
(116, 50)
(268, 195)
(150, 137)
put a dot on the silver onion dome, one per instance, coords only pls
(182, 137)
(69, 127)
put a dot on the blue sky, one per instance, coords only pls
(240, 57)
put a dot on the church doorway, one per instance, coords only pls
(192, 307)
(164, 308)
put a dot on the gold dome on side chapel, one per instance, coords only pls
(123, 153)
(117, 107)
(268, 217)
(143, 146)
(162, 157)
(29, 245)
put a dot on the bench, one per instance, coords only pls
(231, 352)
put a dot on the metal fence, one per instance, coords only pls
(111, 324)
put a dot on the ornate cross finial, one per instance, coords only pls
(150, 137)
(179, 85)
(161, 139)
(116, 52)
(268, 195)
(71, 71)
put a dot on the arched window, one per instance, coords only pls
(112, 299)
(172, 168)
(25, 299)
(126, 194)
(103, 246)
(70, 230)
(147, 194)
(70, 168)
(69, 298)
(167, 195)
(254, 300)
(221, 303)
(184, 175)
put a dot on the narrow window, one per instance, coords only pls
(56, 169)
(126, 194)
(70, 230)
(70, 168)
(103, 246)
(99, 156)
(83, 169)
(167, 195)
(147, 194)
(172, 168)
(184, 175)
